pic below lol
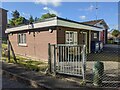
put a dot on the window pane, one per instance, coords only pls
(18, 38)
(71, 37)
(75, 37)
(21, 38)
(24, 38)
(67, 37)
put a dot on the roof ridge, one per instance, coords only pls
(93, 20)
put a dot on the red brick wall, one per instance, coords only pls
(37, 47)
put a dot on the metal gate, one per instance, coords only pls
(67, 59)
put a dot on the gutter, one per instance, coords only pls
(55, 21)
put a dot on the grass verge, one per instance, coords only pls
(25, 62)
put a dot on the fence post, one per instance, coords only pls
(13, 52)
(84, 63)
(49, 57)
(8, 42)
(54, 60)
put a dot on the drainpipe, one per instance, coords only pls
(34, 45)
(106, 31)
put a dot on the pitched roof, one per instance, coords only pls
(93, 22)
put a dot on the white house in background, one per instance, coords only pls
(100, 23)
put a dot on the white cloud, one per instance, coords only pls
(90, 8)
(51, 11)
(83, 17)
(49, 2)
(45, 8)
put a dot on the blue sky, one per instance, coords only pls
(78, 11)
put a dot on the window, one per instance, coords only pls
(95, 35)
(22, 39)
(71, 37)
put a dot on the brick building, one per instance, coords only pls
(32, 40)
(3, 23)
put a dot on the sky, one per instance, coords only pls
(77, 11)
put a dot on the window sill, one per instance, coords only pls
(23, 45)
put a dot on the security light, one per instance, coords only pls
(50, 30)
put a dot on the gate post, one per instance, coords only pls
(54, 60)
(49, 57)
(84, 63)
(8, 42)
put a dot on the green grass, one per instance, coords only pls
(4, 46)
(25, 62)
(28, 63)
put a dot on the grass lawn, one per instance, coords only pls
(4, 46)
(25, 62)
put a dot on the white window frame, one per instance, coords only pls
(22, 39)
(70, 39)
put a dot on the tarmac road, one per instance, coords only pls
(10, 83)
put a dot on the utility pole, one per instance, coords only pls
(96, 11)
